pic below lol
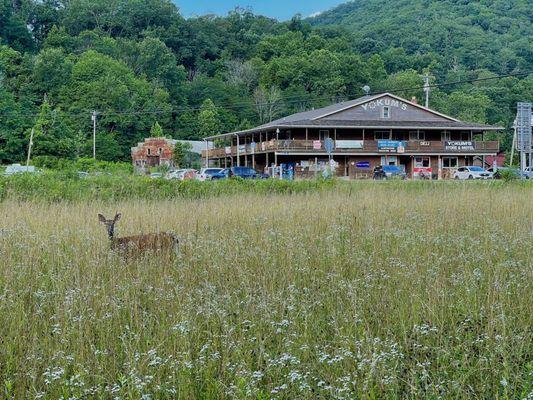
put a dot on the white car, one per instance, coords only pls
(206, 173)
(472, 173)
(182, 174)
(20, 169)
(528, 172)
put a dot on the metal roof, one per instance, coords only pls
(313, 119)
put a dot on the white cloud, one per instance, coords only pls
(315, 14)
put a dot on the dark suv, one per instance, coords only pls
(242, 172)
(389, 172)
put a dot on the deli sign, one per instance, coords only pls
(459, 145)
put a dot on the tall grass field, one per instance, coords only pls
(347, 291)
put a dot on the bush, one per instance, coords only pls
(81, 164)
(508, 174)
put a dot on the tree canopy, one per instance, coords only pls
(138, 62)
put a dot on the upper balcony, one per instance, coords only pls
(357, 146)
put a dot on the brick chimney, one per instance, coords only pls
(414, 100)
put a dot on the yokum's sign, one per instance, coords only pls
(455, 145)
(384, 102)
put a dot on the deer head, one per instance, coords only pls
(109, 224)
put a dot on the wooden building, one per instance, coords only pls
(370, 131)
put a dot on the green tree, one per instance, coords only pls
(156, 130)
(182, 154)
(52, 135)
(465, 106)
(101, 83)
(208, 119)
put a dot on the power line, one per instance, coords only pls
(286, 100)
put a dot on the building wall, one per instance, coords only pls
(153, 152)
(398, 111)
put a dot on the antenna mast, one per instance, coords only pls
(426, 89)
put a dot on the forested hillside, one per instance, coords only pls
(454, 34)
(137, 62)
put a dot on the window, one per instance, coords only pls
(449, 162)
(422, 162)
(389, 160)
(417, 135)
(149, 151)
(323, 135)
(399, 135)
(465, 136)
(381, 135)
(385, 112)
(160, 150)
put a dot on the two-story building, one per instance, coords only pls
(375, 130)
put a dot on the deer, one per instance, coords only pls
(164, 242)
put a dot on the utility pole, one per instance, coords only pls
(426, 89)
(29, 146)
(513, 143)
(93, 118)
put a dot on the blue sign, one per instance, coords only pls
(363, 164)
(329, 145)
(392, 146)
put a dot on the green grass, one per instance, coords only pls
(325, 290)
(54, 186)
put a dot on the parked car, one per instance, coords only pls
(528, 172)
(499, 171)
(182, 174)
(242, 172)
(206, 173)
(19, 169)
(472, 172)
(389, 172)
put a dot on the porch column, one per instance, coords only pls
(206, 153)
(245, 151)
(238, 152)
(266, 148)
(253, 151)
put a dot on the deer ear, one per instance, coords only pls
(101, 218)
(117, 217)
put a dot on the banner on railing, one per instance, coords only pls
(391, 146)
(317, 144)
(227, 149)
(349, 144)
(459, 145)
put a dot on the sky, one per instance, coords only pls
(280, 9)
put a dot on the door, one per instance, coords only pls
(323, 135)
(153, 161)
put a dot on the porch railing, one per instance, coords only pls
(344, 146)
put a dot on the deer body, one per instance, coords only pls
(164, 242)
